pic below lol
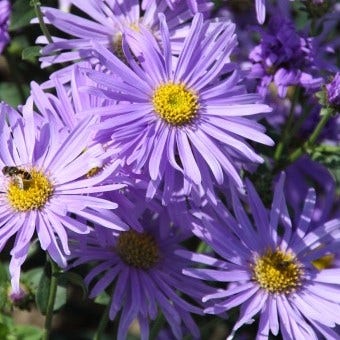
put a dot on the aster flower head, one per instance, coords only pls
(333, 91)
(194, 5)
(5, 12)
(260, 6)
(283, 57)
(44, 180)
(145, 272)
(179, 115)
(299, 177)
(270, 265)
(108, 21)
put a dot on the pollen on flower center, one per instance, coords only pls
(137, 249)
(277, 272)
(175, 104)
(25, 195)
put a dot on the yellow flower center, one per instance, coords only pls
(137, 249)
(25, 195)
(277, 272)
(175, 104)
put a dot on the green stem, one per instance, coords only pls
(103, 323)
(157, 326)
(202, 247)
(51, 299)
(286, 132)
(312, 139)
(43, 27)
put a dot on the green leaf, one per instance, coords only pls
(10, 93)
(30, 53)
(27, 332)
(73, 278)
(328, 155)
(60, 298)
(103, 299)
(22, 13)
(32, 277)
(43, 291)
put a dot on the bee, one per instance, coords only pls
(20, 176)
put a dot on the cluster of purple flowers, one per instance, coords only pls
(146, 140)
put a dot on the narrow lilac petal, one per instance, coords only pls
(99, 269)
(225, 138)
(201, 258)
(314, 237)
(328, 276)
(43, 233)
(312, 311)
(222, 158)
(119, 291)
(307, 213)
(260, 10)
(166, 44)
(189, 46)
(251, 308)
(325, 291)
(218, 275)
(15, 269)
(229, 292)
(273, 317)
(259, 213)
(247, 234)
(211, 160)
(237, 110)
(104, 282)
(157, 152)
(232, 302)
(189, 163)
(25, 233)
(76, 25)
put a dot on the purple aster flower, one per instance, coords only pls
(44, 180)
(180, 115)
(144, 271)
(270, 265)
(108, 21)
(283, 57)
(70, 105)
(300, 175)
(5, 12)
(333, 91)
(194, 5)
(260, 6)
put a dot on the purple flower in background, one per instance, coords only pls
(333, 91)
(283, 57)
(260, 6)
(194, 5)
(270, 263)
(5, 12)
(107, 23)
(44, 180)
(180, 116)
(300, 176)
(145, 272)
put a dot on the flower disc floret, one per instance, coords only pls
(175, 104)
(138, 249)
(277, 272)
(32, 195)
